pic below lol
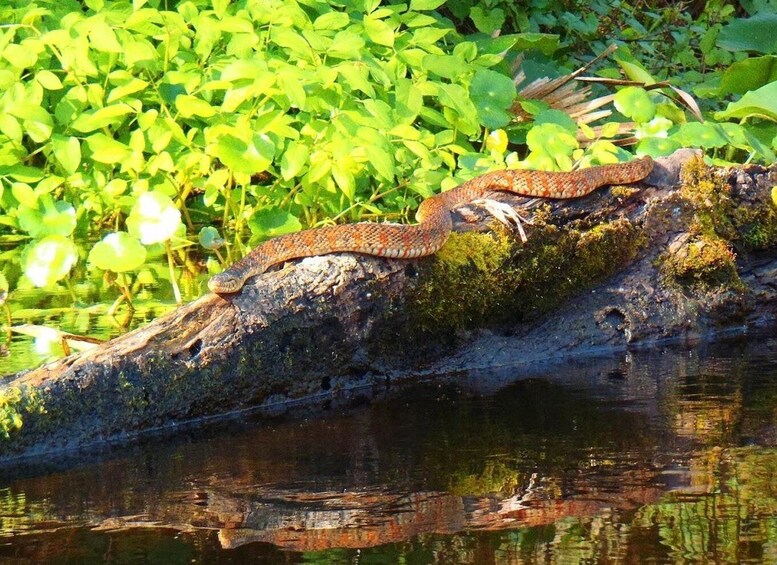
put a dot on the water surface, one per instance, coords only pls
(667, 456)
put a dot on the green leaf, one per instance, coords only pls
(493, 94)
(271, 222)
(131, 86)
(67, 151)
(345, 44)
(19, 56)
(421, 5)
(487, 20)
(757, 103)
(22, 173)
(378, 31)
(36, 121)
(108, 116)
(455, 97)
(545, 43)
(47, 218)
(190, 106)
(10, 126)
(107, 150)
(633, 102)
(657, 146)
(740, 137)
(154, 218)
(244, 157)
(48, 80)
(633, 68)
(210, 238)
(751, 34)
(102, 37)
(446, 66)
(553, 141)
(551, 116)
(118, 252)
(50, 260)
(294, 159)
(694, 134)
(24, 194)
(331, 21)
(750, 74)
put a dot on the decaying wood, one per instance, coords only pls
(319, 325)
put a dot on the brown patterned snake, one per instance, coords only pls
(434, 220)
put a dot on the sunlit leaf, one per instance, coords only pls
(497, 141)
(190, 106)
(378, 31)
(67, 151)
(24, 194)
(154, 218)
(633, 102)
(98, 119)
(50, 260)
(294, 159)
(107, 150)
(331, 21)
(244, 157)
(48, 80)
(421, 5)
(19, 56)
(103, 38)
(47, 217)
(118, 252)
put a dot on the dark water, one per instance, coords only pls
(661, 457)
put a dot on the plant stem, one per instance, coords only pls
(171, 266)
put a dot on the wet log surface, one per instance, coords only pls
(321, 325)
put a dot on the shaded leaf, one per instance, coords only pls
(271, 222)
(751, 34)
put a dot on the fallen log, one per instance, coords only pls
(622, 267)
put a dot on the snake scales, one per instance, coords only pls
(434, 220)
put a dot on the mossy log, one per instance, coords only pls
(620, 268)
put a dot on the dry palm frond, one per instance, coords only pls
(566, 94)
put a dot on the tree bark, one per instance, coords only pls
(324, 324)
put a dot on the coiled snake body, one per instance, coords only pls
(434, 220)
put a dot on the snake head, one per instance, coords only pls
(225, 283)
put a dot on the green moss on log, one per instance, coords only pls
(16, 404)
(703, 263)
(747, 226)
(490, 279)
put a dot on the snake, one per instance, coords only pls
(433, 220)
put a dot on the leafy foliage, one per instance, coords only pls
(135, 132)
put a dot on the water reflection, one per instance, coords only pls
(665, 456)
